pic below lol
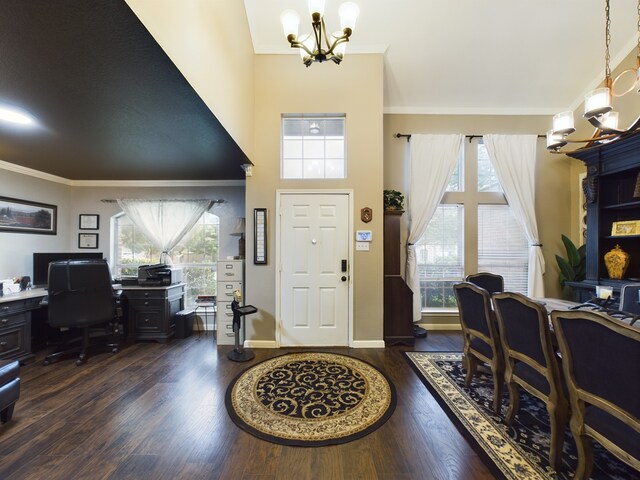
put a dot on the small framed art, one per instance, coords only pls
(87, 240)
(260, 236)
(89, 221)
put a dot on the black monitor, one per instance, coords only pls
(41, 264)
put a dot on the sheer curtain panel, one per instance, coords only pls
(164, 222)
(514, 159)
(432, 160)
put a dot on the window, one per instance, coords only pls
(196, 254)
(313, 147)
(449, 250)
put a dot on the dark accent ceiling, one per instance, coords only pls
(110, 103)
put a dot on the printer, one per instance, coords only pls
(158, 275)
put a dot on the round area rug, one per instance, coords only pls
(310, 399)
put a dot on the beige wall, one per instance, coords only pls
(210, 43)
(553, 195)
(284, 85)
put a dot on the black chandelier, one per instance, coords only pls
(320, 46)
(598, 108)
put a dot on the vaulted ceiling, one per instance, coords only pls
(110, 104)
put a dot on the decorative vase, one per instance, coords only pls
(616, 260)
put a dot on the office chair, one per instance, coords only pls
(81, 297)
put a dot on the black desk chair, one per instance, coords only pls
(80, 297)
(239, 353)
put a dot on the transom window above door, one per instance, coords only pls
(313, 146)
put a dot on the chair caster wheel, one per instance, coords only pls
(114, 350)
(46, 362)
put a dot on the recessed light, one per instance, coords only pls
(13, 115)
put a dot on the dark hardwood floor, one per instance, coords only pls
(156, 411)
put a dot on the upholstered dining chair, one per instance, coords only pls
(601, 363)
(491, 282)
(81, 297)
(531, 362)
(481, 340)
(629, 298)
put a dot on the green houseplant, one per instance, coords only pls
(393, 200)
(572, 268)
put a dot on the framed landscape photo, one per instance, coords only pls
(24, 216)
(89, 221)
(87, 240)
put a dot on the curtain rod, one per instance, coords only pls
(470, 137)
(220, 200)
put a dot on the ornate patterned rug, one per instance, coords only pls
(516, 452)
(310, 399)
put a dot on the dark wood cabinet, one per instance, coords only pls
(612, 175)
(151, 311)
(398, 297)
(15, 324)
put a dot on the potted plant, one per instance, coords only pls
(573, 268)
(393, 200)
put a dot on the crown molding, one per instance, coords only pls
(119, 183)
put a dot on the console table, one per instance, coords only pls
(15, 323)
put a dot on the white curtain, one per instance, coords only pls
(514, 159)
(164, 222)
(433, 159)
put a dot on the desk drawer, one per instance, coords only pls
(13, 341)
(147, 320)
(145, 294)
(13, 320)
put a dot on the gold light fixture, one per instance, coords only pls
(320, 47)
(598, 108)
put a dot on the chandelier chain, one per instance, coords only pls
(607, 57)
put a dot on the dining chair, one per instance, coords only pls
(491, 282)
(601, 363)
(531, 362)
(630, 298)
(481, 340)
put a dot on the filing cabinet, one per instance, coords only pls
(230, 278)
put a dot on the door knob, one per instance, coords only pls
(344, 279)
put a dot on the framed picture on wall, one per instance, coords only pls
(87, 240)
(24, 216)
(89, 221)
(260, 236)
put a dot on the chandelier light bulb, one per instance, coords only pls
(597, 102)
(316, 6)
(290, 22)
(555, 140)
(563, 123)
(348, 12)
(610, 121)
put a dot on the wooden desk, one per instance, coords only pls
(15, 323)
(151, 311)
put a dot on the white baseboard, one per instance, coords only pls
(368, 344)
(260, 344)
(440, 326)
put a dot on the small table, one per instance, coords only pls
(206, 306)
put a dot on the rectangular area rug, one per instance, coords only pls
(518, 451)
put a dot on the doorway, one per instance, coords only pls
(314, 274)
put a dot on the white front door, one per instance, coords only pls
(314, 269)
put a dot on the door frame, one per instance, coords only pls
(350, 233)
